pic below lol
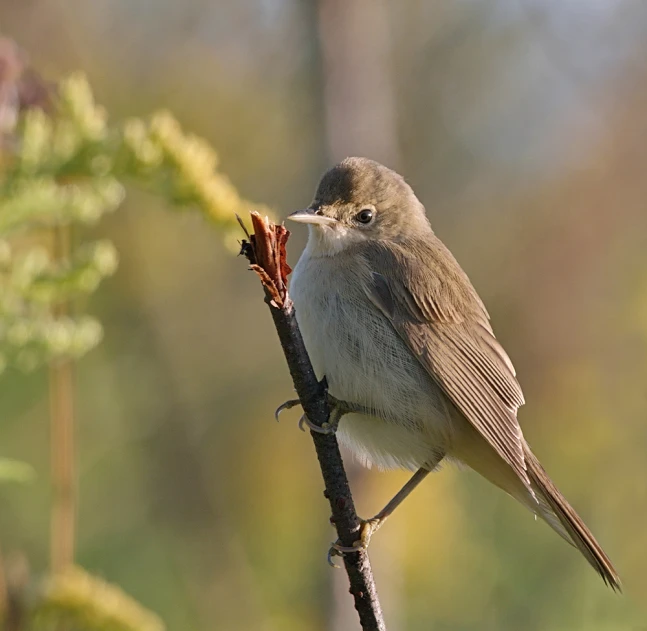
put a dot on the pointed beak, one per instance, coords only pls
(311, 216)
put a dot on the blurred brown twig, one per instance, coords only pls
(267, 255)
(21, 88)
(61, 401)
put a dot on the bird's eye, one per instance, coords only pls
(365, 215)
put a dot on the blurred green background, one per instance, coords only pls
(521, 125)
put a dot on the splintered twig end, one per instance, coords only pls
(266, 253)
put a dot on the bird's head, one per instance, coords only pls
(359, 200)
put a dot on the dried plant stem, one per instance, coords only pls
(61, 405)
(4, 594)
(266, 253)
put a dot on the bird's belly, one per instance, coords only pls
(365, 362)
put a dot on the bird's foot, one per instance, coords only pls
(329, 427)
(337, 410)
(368, 527)
(326, 428)
(288, 405)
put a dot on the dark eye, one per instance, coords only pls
(365, 215)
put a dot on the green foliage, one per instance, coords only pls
(62, 170)
(68, 169)
(76, 600)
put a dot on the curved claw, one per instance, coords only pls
(326, 428)
(367, 529)
(333, 552)
(288, 405)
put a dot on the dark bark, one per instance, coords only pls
(266, 253)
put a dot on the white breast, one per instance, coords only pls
(366, 362)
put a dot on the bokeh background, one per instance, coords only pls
(522, 125)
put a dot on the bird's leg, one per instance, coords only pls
(337, 410)
(369, 526)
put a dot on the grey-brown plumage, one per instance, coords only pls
(393, 322)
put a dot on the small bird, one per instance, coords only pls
(405, 344)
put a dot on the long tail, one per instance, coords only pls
(575, 529)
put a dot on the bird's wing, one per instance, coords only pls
(432, 305)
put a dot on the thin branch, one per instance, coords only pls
(266, 253)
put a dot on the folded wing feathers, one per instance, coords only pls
(448, 358)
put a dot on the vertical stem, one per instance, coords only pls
(360, 115)
(4, 595)
(359, 95)
(61, 406)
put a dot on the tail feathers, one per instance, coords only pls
(565, 521)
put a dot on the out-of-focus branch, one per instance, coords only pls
(61, 404)
(359, 99)
(266, 253)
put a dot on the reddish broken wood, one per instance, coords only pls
(265, 250)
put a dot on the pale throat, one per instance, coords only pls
(331, 240)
